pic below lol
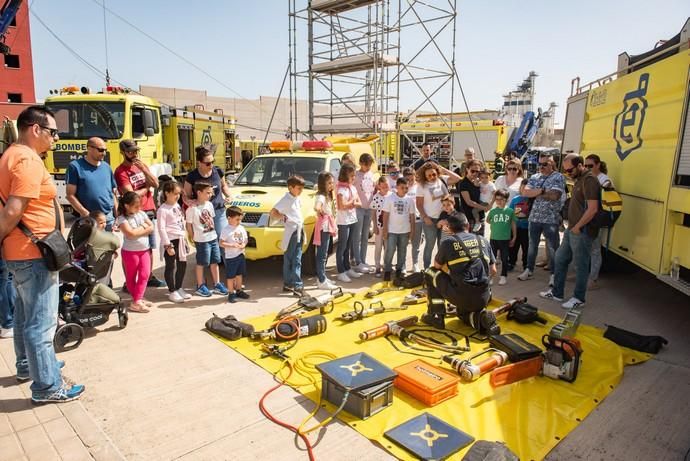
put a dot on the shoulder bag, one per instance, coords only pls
(53, 247)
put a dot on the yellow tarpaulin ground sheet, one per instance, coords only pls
(530, 416)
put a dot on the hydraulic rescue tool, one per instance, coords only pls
(386, 328)
(561, 360)
(324, 303)
(291, 328)
(416, 297)
(379, 291)
(507, 307)
(374, 308)
(397, 328)
(469, 371)
(568, 327)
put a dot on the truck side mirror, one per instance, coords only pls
(148, 131)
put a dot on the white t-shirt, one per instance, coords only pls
(377, 204)
(513, 189)
(399, 210)
(326, 207)
(291, 207)
(346, 217)
(603, 179)
(412, 192)
(135, 221)
(432, 192)
(486, 192)
(201, 219)
(231, 234)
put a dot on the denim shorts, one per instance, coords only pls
(207, 253)
(235, 266)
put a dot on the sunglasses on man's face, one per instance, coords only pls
(569, 170)
(100, 149)
(206, 163)
(544, 165)
(52, 131)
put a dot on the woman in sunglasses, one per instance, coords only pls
(206, 171)
(598, 168)
(511, 180)
(433, 181)
(470, 193)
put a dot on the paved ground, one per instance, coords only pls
(163, 389)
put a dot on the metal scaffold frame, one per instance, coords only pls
(356, 71)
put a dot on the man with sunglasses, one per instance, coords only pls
(91, 184)
(28, 194)
(577, 239)
(546, 189)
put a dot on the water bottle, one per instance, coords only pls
(675, 268)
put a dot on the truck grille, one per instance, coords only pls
(251, 218)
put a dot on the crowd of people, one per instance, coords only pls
(449, 210)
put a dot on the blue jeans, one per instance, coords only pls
(577, 247)
(416, 241)
(360, 236)
(220, 222)
(432, 236)
(35, 320)
(7, 297)
(292, 262)
(395, 242)
(552, 238)
(342, 253)
(322, 256)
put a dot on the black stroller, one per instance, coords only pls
(85, 298)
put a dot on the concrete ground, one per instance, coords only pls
(163, 389)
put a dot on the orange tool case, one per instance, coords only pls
(426, 383)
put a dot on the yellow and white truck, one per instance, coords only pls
(166, 136)
(637, 120)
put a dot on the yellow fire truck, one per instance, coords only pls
(166, 136)
(636, 120)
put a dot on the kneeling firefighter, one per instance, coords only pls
(462, 269)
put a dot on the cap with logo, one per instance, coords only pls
(129, 145)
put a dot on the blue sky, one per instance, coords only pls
(244, 44)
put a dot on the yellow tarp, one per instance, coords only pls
(531, 416)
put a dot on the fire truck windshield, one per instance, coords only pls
(83, 120)
(274, 170)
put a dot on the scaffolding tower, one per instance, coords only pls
(363, 55)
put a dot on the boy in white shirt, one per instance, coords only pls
(289, 210)
(398, 227)
(201, 227)
(234, 239)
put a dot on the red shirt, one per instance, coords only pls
(134, 177)
(23, 174)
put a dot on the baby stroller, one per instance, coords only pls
(85, 298)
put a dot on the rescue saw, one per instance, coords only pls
(560, 360)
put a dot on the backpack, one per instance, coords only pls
(610, 208)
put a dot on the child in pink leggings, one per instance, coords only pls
(136, 227)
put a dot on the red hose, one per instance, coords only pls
(274, 420)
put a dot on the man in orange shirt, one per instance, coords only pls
(28, 195)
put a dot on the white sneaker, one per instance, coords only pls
(353, 274)
(549, 295)
(502, 280)
(184, 294)
(362, 268)
(344, 278)
(326, 285)
(551, 280)
(415, 268)
(572, 303)
(175, 297)
(526, 275)
(7, 333)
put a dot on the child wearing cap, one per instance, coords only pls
(234, 239)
